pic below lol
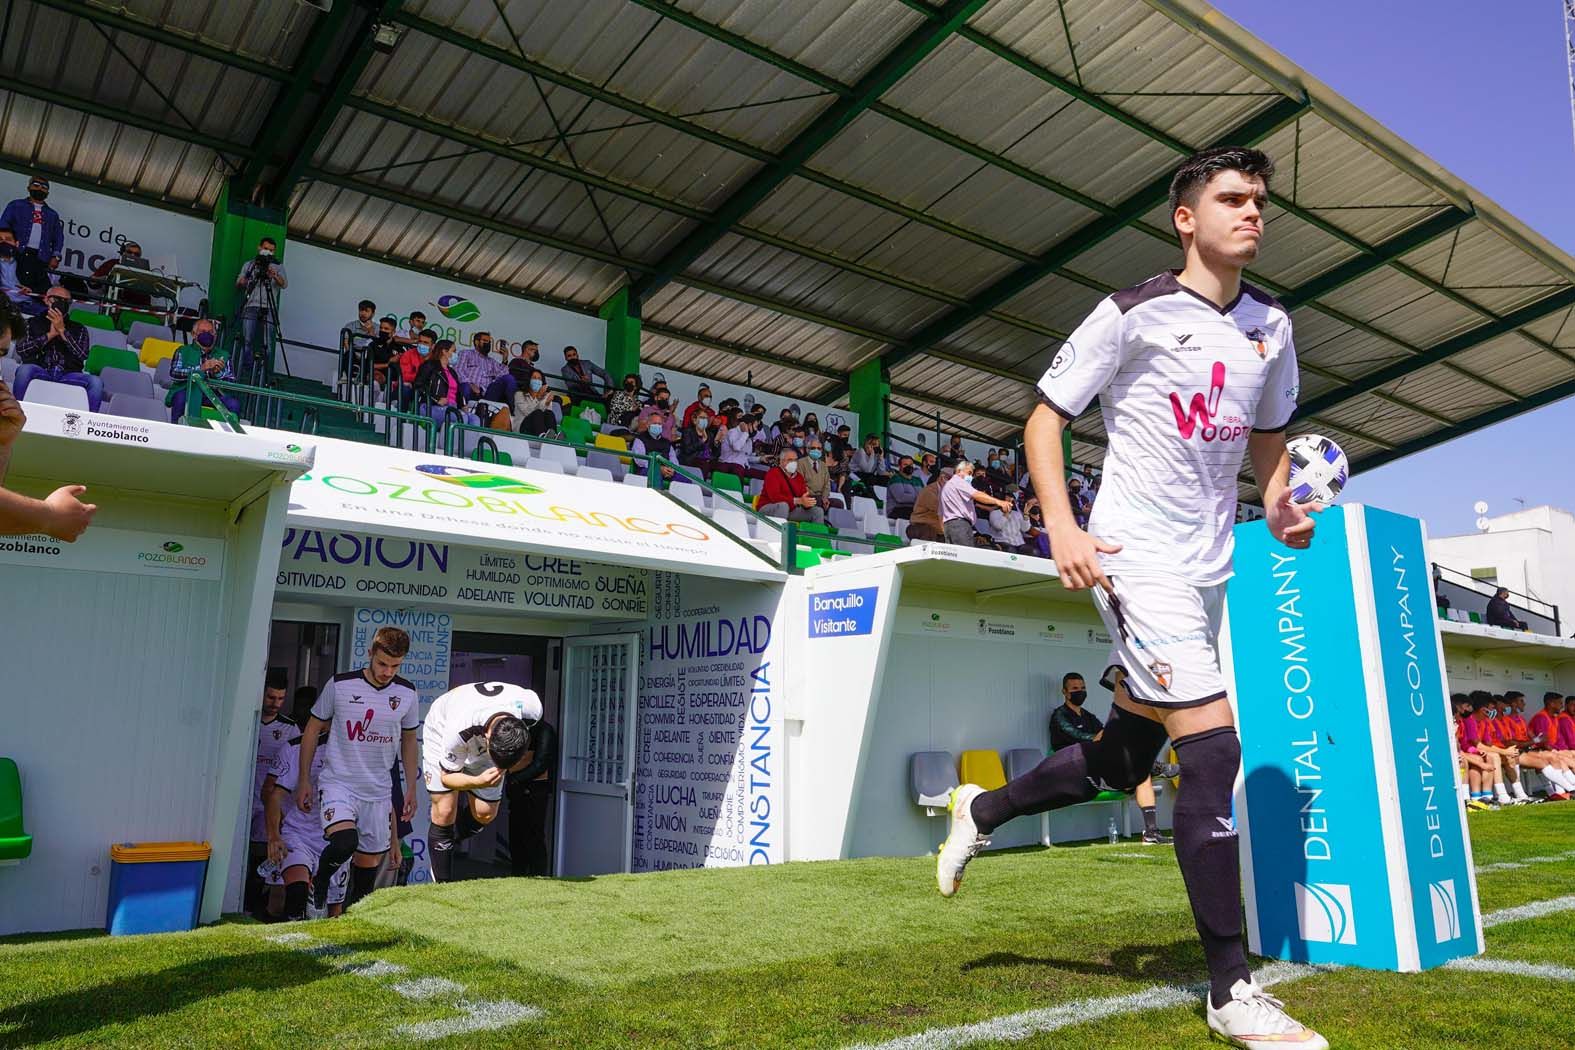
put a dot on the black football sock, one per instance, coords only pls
(361, 883)
(440, 850)
(341, 846)
(295, 901)
(1150, 819)
(1205, 833)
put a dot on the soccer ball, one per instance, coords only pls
(1318, 469)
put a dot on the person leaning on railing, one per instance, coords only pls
(205, 357)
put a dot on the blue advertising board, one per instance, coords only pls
(1316, 850)
(1438, 863)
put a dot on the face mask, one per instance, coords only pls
(706, 401)
(265, 253)
(424, 349)
(206, 340)
(701, 424)
(654, 429)
(908, 469)
(483, 348)
(38, 194)
(814, 453)
(995, 464)
(535, 384)
(798, 442)
(7, 251)
(1077, 696)
(791, 468)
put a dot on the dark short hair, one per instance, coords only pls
(432, 332)
(1459, 698)
(1510, 694)
(1186, 186)
(391, 640)
(367, 304)
(276, 679)
(389, 319)
(568, 348)
(417, 313)
(508, 740)
(1551, 695)
(1067, 678)
(11, 319)
(267, 240)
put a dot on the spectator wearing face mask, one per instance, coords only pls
(953, 453)
(784, 494)
(1069, 723)
(815, 471)
(701, 403)
(659, 407)
(385, 348)
(1010, 527)
(55, 348)
(786, 421)
(925, 523)
(410, 363)
(23, 278)
(1080, 504)
(584, 380)
(902, 491)
(844, 441)
(623, 407)
(697, 444)
(959, 500)
(130, 256)
(869, 464)
(653, 441)
(211, 361)
(811, 424)
(484, 376)
(533, 405)
(733, 445)
(999, 470)
(39, 229)
(438, 383)
(1036, 538)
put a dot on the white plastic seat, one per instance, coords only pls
(691, 494)
(732, 519)
(551, 466)
(864, 508)
(637, 480)
(62, 395)
(129, 406)
(8, 367)
(595, 473)
(568, 462)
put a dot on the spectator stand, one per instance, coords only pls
(305, 414)
(1463, 598)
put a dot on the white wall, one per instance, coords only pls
(116, 743)
(1533, 551)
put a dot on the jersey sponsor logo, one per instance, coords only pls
(356, 699)
(1202, 416)
(1183, 340)
(1259, 340)
(1061, 363)
(362, 731)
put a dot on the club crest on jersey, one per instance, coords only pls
(1260, 341)
(393, 703)
(328, 814)
(1162, 674)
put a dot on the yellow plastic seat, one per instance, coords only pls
(982, 767)
(155, 350)
(614, 443)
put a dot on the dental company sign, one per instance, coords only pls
(321, 563)
(391, 492)
(1354, 850)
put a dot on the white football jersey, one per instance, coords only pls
(272, 738)
(295, 825)
(1182, 384)
(365, 724)
(457, 722)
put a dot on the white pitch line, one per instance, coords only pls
(1547, 971)
(1534, 910)
(429, 988)
(1525, 862)
(476, 1016)
(1015, 1027)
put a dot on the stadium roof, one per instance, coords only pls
(794, 189)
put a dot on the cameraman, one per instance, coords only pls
(55, 348)
(260, 279)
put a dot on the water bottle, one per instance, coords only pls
(268, 869)
(1111, 831)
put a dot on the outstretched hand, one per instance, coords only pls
(1292, 523)
(1076, 556)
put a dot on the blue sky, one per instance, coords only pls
(1483, 89)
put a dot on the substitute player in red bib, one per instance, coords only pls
(1193, 369)
(371, 717)
(474, 736)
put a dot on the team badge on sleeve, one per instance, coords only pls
(1061, 363)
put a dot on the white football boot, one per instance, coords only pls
(963, 843)
(1256, 1020)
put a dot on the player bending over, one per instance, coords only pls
(371, 717)
(1192, 369)
(295, 838)
(474, 736)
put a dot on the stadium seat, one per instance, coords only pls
(982, 767)
(62, 395)
(595, 473)
(8, 367)
(102, 357)
(15, 843)
(691, 494)
(842, 519)
(613, 443)
(722, 481)
(885, 541)
(107, 337)
(145, 327)
(983, 527)
(487, 455)
(605, 461)
(1474, 617)
(567, 461)
(129, 406)
(93, 319)
(550, 466)
(636, 479)
(576, 430)
(806, 557)
(933, 774)
(732, 519)
(755, 485)
(865, 509)
(119, 382)
(152, 351)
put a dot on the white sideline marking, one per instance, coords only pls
(1516, 969)
(1143, 856)
(1513, 865)
(475, 1015)
(1534, 910)
(1014, 1027)
(429, 988)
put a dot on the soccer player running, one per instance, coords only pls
(295, 838)
(274, 733)
(473, 737)
(1192, 368)
(371, 716)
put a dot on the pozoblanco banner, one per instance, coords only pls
(120, 550)
(392, 492)
(327, 563)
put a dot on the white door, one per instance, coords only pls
(596, 783)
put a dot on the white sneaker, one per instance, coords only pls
(313, 912)
(963, 843)
(1256, 1020)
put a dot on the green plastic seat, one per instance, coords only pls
(810, 528)
(131, 317)
(1475, 618)
(93, 319)
(806, 557)
(488, 455)
(15, 843)
(885, 541)
(725, 482)
(575, 429)
(817, 542)
(102, 357)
